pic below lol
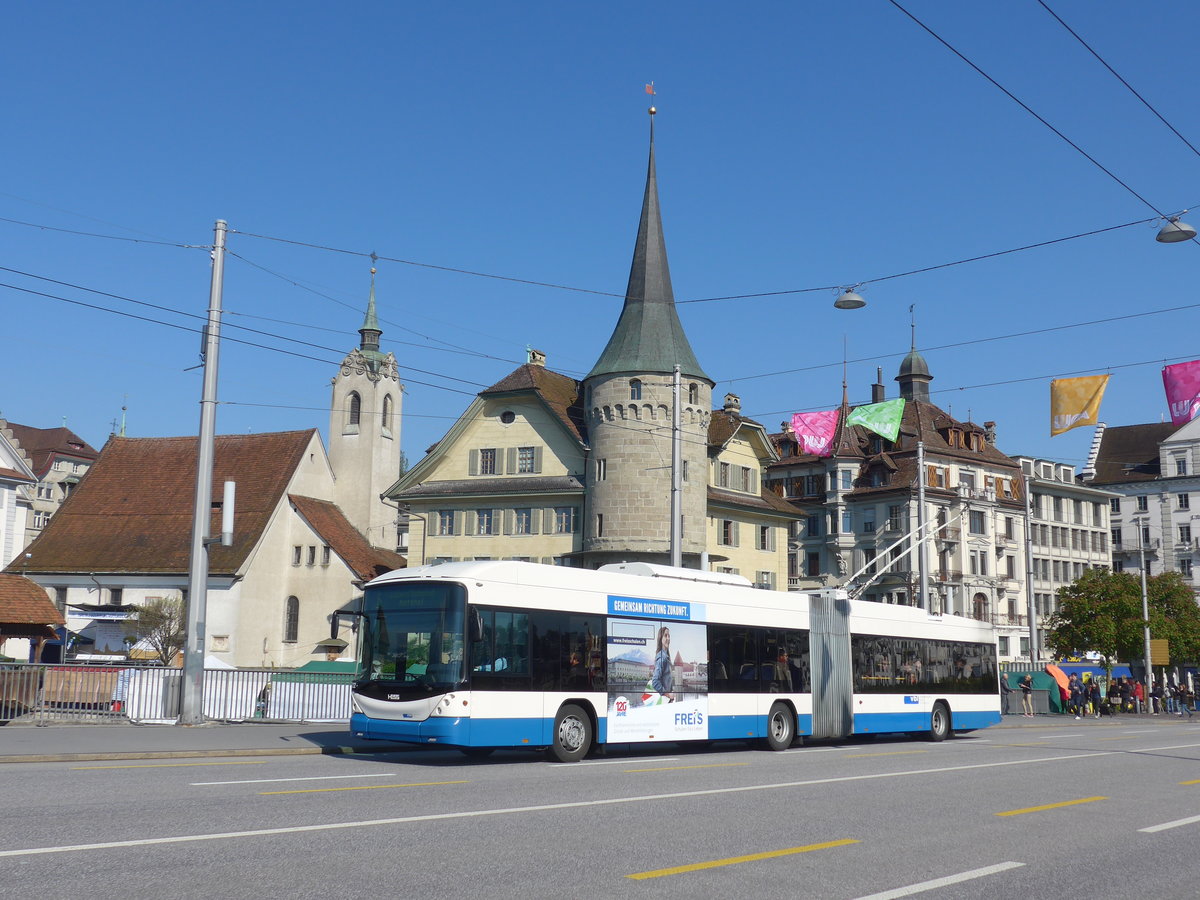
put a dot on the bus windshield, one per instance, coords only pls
(413, 635)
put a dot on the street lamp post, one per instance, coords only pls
(1149, 679)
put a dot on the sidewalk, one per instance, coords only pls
(69, 743)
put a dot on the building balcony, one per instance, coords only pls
(1012, 619)
(970, 493)
(1150, 547)
(949, 533)
(948, 576)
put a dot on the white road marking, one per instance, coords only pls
(273, 780)
(943, 882)
(1178, 823)
(580, 804)
(1142, 731)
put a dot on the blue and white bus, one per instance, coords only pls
(480, 655)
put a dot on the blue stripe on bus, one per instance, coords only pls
(882, 723)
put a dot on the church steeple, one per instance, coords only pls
(370, 330)
(649, 336)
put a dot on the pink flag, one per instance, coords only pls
(814, 431)
(1182, 382)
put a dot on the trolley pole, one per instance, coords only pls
(191, 706)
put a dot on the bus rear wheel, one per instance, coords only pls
(572, 734)
(939, 722)
(781, 727)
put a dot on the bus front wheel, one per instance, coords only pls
(572, 734)
(781, 727)
(939, 722)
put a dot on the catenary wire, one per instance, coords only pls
(1116, 75)
(1095, 162)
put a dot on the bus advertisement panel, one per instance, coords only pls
(657, 680)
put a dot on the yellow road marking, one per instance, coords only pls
(259, 762)
(889, 753)
(1190, 782)
(365, 787)
(672, 768)
(1029, 809)
(734, 860)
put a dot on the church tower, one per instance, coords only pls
(628, 398)
(364, 433)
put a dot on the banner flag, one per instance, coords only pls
(1182, 382)
(1075, 402)
(814, 431)
(882, 418)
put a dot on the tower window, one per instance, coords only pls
(635, 390)
(386, 424)
(353, 410)
(693, 394)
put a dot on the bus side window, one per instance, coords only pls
(481, 650)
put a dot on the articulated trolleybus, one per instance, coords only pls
(480, 655)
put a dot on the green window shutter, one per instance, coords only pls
(511, 454)
(548, 521)
(752, 481)
(733, 534)
(460, 521)
(473, 462)
(496, 520)
(533, 522)
(537, 460)
(509, 520)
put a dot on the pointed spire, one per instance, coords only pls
(649, 336)
(370, 330)
(914, 374)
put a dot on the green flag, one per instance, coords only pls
(882, 418)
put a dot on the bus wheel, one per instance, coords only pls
(572, 734)
(781, 727)
(939, 722)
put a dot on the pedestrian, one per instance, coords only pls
(1095, 698)
(1183, 695)
(1125, 692)
(1005, 691)
(1027, 696)
(1139, 696)
(1156, 698)
(1075, 689)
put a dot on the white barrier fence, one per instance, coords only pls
(88, 694)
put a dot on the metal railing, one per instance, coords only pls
(59, 693)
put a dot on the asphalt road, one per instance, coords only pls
(1084, 809)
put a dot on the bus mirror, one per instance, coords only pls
(475, 626)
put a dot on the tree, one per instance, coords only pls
(1102, 611)
(159, 622)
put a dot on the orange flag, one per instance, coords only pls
(1075, 402)
(650, 88)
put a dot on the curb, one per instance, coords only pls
(193, 754)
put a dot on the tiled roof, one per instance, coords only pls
(723, 425)
(14, 475)
(41, 445)
(23, 602)
(1130, 453)
(524, 484)
(133, 512)
(767, 501)
(559, 392)
(335, 529)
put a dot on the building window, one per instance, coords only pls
(812, 565)
(693, 394)
(635, 389)
(1181, 467)
(729, 533)
(847, 522)
(765, 581)
(483, 521)
(895, 518)
(869, 560)
(847, 479)
(1185, 534)
(487, 461)
(978, 522)
(312, 555)
(1115, 534)
(869, 522)
(385, 424)
(1114, 504)
(1185, 567)
(684, 472)
(296, 555)
(1011, 566)
(564, 520)
(523, 521)
(601, 469)
(1003, 642)
(723, 474)
(765, 538)
(1009, 528)
(599, 524)
(326, 555)
(291, 620)
(1182, 501)
(1143, 503)
(1145, 535)
(354, 413)
(114, 596)
(60, 598)
(445, 524)
(526, 460)
(812, 526)
(40, 519)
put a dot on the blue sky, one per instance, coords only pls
(800, 145)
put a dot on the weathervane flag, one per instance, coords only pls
(1075, 402)
(814, 431)
(1182, 383)
(650, 88)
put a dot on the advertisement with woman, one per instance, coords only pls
(657, 680)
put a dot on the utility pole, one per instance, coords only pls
(676, 475)
(1149, 678)
(1030, 606)
(191, 707)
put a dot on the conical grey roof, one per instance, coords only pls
(649, 336)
